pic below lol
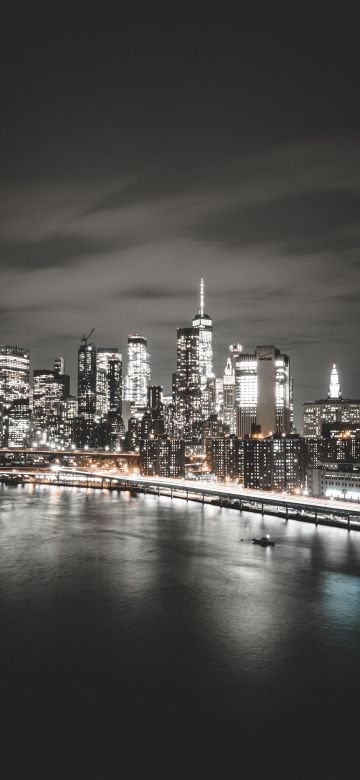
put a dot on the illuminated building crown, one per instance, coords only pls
(334, 386)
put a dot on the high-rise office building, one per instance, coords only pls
(228, 411)
(48, 395)
(18, 426)
(246, 393)
(155, 398)
(204, 325)
(262, 391)
(84, 425)
(138, 370)
(188, 385)
(87, 380)
(333, 409)
(14, 387)
(108, 381)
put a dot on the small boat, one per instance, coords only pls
(264, 541)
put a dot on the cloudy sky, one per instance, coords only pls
(141, 152)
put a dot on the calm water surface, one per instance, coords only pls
(144, 637)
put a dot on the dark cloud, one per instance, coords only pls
(56, 252)
(153, 292)
(284, 220)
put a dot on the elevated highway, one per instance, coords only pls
(320, 511)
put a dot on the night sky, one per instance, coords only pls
(142, 151)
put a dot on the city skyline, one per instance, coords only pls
(70, 359)
(129, 171)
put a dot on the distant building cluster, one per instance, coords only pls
(236, 427)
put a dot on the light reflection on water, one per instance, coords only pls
(169, 602)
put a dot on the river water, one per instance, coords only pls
(145, 637)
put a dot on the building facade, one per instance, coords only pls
(163, 457)
(108, 381)
(262, 392)
(14, 387)
(188, 385)
(138, 372)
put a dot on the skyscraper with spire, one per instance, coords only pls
(334, 409)
(204, 325)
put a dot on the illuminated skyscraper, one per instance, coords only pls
(188, 385)
(263, 391)
(204, 325)
(138, 370)
(108, 381)
(87, 380)
(228, 412)
(14, 387)
(246, 393)
(48, 394)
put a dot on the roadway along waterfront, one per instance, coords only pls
(320, 511)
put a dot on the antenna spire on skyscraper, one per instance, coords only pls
(201, 297)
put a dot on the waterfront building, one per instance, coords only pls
(14, 386)
(163, 457)
(335, 480)
(18, 423)
(257, 463)
(224, 457)
(262, 391)
(288, 458)
(263, 463)
(339, 443)
(274, 463)
(334, 409)
(49, 392)
(138, 370)
(188, 385)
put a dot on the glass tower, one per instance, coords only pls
(204, 325)
(138, 370)
(14, 391)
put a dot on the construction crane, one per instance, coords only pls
(85, 339)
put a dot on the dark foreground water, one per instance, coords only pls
(144, 637)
